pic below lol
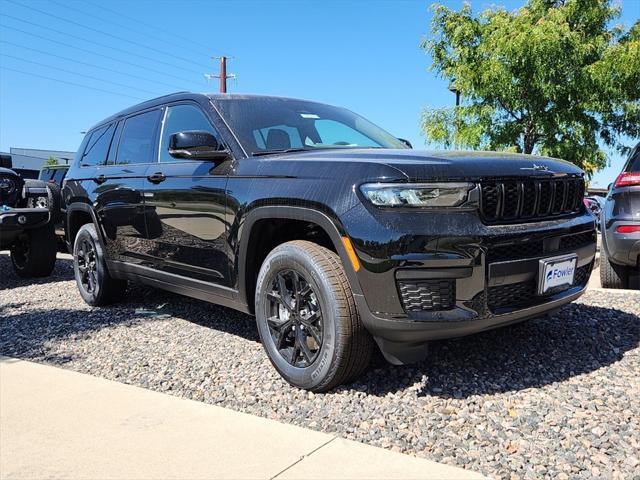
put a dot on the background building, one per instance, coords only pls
(28, 161)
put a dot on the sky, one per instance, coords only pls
(360, 54)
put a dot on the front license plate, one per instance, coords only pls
(554, 272)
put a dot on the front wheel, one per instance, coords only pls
(34, 252)
(95, 284)
(307, 318)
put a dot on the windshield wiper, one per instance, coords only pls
(284, 150)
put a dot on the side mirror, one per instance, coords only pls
(406, 142)
(196, 145)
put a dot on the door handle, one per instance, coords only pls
(157, 177)
(100, 179)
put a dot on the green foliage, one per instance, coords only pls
(551, 78)
(51, 161)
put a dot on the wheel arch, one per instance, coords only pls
(330, 227)
(78, 214)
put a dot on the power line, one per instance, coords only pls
(31, 74)
(160, 72)
(162, 38)
(101, 32)
(153, 27)
(91, 77)
(80, 62)
(103, 45)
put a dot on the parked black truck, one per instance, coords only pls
(26, 227)
(334, 233)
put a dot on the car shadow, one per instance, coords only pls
(578, 339)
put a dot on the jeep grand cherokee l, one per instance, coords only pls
(334, 233)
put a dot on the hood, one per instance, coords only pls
(419, 165)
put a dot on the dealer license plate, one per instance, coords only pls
(554, 272)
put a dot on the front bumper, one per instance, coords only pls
(16, 220)
(490, 273)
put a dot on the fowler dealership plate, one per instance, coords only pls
(556, 271)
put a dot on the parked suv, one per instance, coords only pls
(620, 228)
(334, 233)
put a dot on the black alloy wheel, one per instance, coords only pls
(21, 251)
(86, 258)
(95, 284)
(295, 320)
(33, 254)
(307, 318)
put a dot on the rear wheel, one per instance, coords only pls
(33, 254)
(611, 274)
(307, 318)
(95, 284)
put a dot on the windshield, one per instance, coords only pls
(268, 124)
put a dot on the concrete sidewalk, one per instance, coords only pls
(55, 423)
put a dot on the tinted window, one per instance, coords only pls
(634, 160)
(58, 175)
(98, 146)
(113, 151)
(337, 133)
(137, 139)
(45, 175)
(269, 123)
(181, 118)
(290, 135)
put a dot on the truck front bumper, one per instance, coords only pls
(14, 221)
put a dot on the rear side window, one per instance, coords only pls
(45, 174)
(98, 146)
(58, 175)
(634, 161)
(138, 138)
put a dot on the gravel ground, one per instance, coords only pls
(556, 397)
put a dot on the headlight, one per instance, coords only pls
(416, 194)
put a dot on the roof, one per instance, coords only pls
(185, 96)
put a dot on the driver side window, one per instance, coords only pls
(181, 118)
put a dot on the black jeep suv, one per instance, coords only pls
(330, 230)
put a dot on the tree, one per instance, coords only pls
(51, 161)
(552, 77)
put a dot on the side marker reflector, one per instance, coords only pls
(351, 253)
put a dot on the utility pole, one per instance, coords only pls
(222, 75)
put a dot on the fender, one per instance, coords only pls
(331, 227)
(86, 208)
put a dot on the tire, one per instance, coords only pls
(52, 201)
(33, 254)
(611, 274)
(325, 319)
(95, 284)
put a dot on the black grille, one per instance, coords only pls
(521, 250)
(524, 294)
(515, 251)
(507, 201)
(571, 242)
(427, 295)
